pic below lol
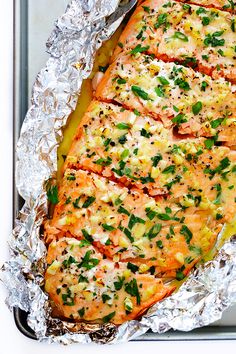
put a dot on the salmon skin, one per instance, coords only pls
(204, 38)
(127, 225)
(85, 287)
(178, 96)
(139, 152)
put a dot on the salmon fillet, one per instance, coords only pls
(85, 287)
(149, 181)
(178, 96)
(200, 37)
(139, 152)
(125, 224)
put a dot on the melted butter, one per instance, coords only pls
(86, 95)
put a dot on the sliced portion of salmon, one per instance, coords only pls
(197, 36)
(194, 103)
(225, 5)
(167, 234)
(138, 151)
(85, 287)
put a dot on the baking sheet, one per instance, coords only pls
(33, 23)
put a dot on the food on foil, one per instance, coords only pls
(178, 96)
(149, 180)
(85, 286)
(201, 37)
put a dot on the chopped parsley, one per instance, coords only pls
(140, 93)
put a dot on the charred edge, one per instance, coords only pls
(192, 2)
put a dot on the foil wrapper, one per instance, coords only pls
(210, 289)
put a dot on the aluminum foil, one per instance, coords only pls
(203, 297)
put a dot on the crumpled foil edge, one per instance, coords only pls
(206, 293)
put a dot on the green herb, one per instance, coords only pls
(159, 244)
(197, 107)
(67, 262)
(219, 216)
(71, 177)
(52, 194)
(68, 200)
(218, 195)
(136, 151)
(187, 233)
(103, 162)
(105, 297)
(81, 312)
(186, 7)
(65, 298)
(169, 169)
(134, 220)
(121, 45)
(201, 10)
(146, 9)
(87, 262)
(122, 140)
(139, 49)
(122, 126)
(128, 234)
(209, 143)
(136, 112)
(156, 159)
(147, 179)
(205, 21)
(122, 210)
(159, 91)
(58, 291)
(161, 20)
(121, 81)
(144, 133)
(215, 123)
(195, 249)
(76, 203)
(232, 26)
(108, 227)
(88, 202)
(140, 93)
(107, 142)
(132, 267)
(83, 279)
(184, 85)
(107, 318)
(87, 236)
(154, 231)
(118, 284)
(132, 289)
(204, 86)
(124, 154)
(205, 57)
(220, 51)
(163, 80)
(213, 40)
(150, 213)
(179, 119)
(163, 216)
(181, 36)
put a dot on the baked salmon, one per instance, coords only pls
(178, 96)
(127, 225)
(85, 287)
(139, 152)
(204, 38)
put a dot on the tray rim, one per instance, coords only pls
(20, 104)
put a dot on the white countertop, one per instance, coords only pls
(11, 340)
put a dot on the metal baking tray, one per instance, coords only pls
(32, 26)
